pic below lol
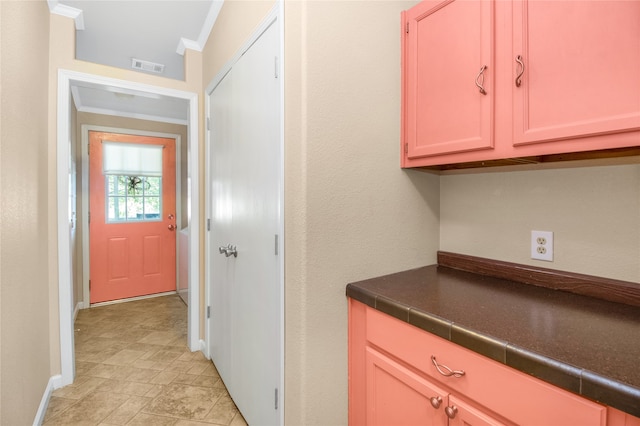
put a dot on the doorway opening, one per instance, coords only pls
(65, 174)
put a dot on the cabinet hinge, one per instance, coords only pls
(276, 398)
(208, 124)
(208, 312)
(88, 148)
(407, 28)
(208, 224)
(276, 245)
(89, 285)
(89, 217)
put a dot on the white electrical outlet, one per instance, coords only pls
(542, 245)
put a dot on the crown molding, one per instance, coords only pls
(70, 12)
(205, 31)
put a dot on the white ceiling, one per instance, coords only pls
(113, 32)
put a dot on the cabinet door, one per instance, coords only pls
(582, 62)
(398, 396)
(463, 414)
(447, 43)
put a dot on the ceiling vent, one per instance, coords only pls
(139, 64)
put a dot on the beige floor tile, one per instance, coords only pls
(164, 356)
(134, 368)
(144, 419)
(223, 411)
(124, 357)
(155, 390)
(82, 387)
(206, 381)
(158, 338)
(103, 370)
(165, 377)
(127, 411)
(184, 378)
(238, 420)
(57, 405)
(90, 410)
(184, 401)
(133, 374)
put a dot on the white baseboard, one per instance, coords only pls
(79, 305)
(55, 382)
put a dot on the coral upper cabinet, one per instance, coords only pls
(491, 80)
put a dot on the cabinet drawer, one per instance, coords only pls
(514, 395)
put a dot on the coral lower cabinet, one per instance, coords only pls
(487, 80)
(401, 375)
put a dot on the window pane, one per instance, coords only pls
(122, 185)
(112, 185)
(134, 208)
(153, 186)
(152, 207)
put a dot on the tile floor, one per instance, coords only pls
(133, 367)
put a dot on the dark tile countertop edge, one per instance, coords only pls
(569, 377)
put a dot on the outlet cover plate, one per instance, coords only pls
(542, 245)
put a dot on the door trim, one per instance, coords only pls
(274, 17)
(85, 129)
(65, 274)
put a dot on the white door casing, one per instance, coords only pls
(244, 169)
(65, 273)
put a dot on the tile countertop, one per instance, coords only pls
(582, 344)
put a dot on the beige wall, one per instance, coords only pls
(350, 212)
(235, 23)
(594, 212)
(24, 209)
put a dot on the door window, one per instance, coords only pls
(133, 198)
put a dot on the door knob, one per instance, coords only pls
(171, 227)
(228, 251)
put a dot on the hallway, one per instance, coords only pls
(133, 367)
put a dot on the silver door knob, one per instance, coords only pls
(171, 227)
(228, 250)
(231, 251)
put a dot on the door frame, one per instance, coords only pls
(63, 152)
(274, 17)
(85, 129)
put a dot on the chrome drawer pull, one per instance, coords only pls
(446, 371)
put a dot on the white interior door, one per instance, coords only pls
(245, 323)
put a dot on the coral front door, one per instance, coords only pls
(132, 225)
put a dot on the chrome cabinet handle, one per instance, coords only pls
(446, 371)
(436, 401)
(480, 84)
(451, 411)
(228, 251)
(519, 77)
